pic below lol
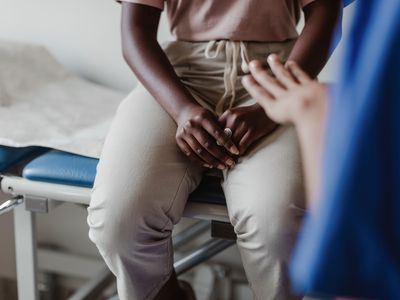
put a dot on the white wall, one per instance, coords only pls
(84, 36)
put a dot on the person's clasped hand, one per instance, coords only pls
(217, 143)
(201, 138)
(248, 125)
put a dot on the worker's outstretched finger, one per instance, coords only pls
(281, 73)
(265, 80)
(301, 76)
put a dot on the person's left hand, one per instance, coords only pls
(248, 124)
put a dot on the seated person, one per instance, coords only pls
(190, 114)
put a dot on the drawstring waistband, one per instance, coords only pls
(232, 51)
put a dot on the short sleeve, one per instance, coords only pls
(155, 3)
(306, 2)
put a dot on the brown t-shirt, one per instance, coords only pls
(239, 20)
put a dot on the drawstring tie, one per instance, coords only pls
(232, 51)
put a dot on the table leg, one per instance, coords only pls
(26, 256)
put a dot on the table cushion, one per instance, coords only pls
(10, 156)
(63, 168)
(75, 170)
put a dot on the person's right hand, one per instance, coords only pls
(197, 136)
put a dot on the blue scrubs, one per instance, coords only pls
(351, 245)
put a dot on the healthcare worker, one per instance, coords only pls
(350, 244)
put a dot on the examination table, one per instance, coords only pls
(39, 179)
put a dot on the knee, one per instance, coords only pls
(106, 231)
(119, 223)
(272, 230)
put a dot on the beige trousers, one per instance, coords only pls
(143, 181)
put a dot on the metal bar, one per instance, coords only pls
(205, 252)
(189, 233)
(11, 204)
(92, 289)
(25, 251)
(60, 192)
(72, 194)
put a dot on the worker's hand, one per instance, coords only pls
(291, 96)
(197, 136)
(248, 125)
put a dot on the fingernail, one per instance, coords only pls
(253, 64)
(234, 150)
(221, 167)
(230, 162)
(272, 57)
(207, 166)
(246, 78)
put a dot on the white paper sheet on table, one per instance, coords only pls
(43, 104)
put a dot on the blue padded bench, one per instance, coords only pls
(62, 168)
(75, 170)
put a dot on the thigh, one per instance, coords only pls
(141, 168)
(265, 188)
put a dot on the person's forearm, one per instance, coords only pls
(311, 50)
(148, 61)
(310, 126)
